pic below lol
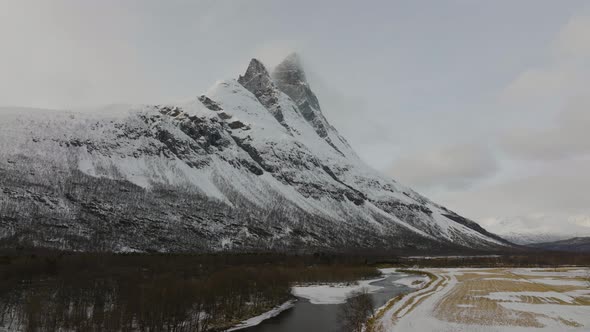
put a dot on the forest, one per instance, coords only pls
(43, 291)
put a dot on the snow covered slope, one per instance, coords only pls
(527, 237)
(251, 164)
(524, 231)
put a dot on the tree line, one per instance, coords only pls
(139, 292)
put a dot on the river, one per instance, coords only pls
(307, 317)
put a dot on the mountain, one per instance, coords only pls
(252, 164)
(527, 230)
(576, 244)
(526, 238)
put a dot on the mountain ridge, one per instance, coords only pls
(575, 244)
(252, 164)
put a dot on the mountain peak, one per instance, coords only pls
(256, 70)
(258, 81)
(294, 59)
(290, 70)
(256, 74)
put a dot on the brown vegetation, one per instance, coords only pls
(531, 259)
(478, 297)
(355, 312)
(468, 301)
(107, 292)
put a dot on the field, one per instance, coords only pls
(496, 299)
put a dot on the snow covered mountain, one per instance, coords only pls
(576, 244)
(252, 164)
(526, 238)
(527, 230)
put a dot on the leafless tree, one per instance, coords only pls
(355, 312)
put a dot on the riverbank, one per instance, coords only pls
(322, 307)
(267, 315)
(420, 281)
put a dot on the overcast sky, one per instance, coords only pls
(484, 106)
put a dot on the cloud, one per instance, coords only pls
(581, 220)
(574, 38)
(566, 72)
(568, 137)
(539, 227)
(547, 120)
(537, 83)
(68, 54)
(450, 167)
(272, 53)
(369, 132)
(546, 143)
(555, 195)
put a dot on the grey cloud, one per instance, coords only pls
(564, 73)
(369, 131)
(558, 192)
(574, 37)
(450, 167)
(62, 57)
(568, 137)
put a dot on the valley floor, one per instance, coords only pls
(495, 299)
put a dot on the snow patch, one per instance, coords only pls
(548, 297)
(413, 281)
(260, 318)
(333, 293)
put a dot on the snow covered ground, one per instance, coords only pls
(269, 314)
(415, 281)
(333, 293)
(490, 300)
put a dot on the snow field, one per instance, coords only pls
(494, 300)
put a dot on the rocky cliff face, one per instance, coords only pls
(252, 164)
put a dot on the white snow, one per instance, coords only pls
(453, 256)
(548, 297)
(387, 321)
(391, 270)
(333, 293)
(560, 282)
(549, 273)
(577, 313)
(422, 318)
(260, 318)
(417, 281)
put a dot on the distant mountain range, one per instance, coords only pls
(252, 164)
(527, 230)
(530, 237)
(577, 244)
